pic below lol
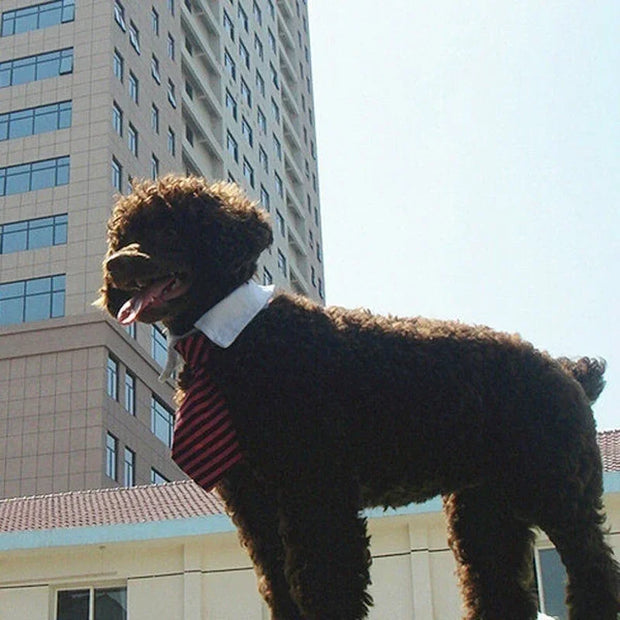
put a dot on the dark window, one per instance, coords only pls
(32, 300)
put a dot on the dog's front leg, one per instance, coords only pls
(327, 557)
(253, 510)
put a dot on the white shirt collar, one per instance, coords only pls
(223, 323)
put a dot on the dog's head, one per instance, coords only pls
(177, 246)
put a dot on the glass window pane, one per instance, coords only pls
(37, 307)
(60, 233)
(49, 14)
(21, 124)
(11, 311)
(73, 605)
(38, 285)
(62, 171)
(23, 71)
(43, 175)
(17, 179)
(11, 290)
(58, 304)
(14, 241)
(66, 61)
(25, 19)
(111, 604)
(47, 65)
(64, 115)
(40, 237)
(554, 583)
(45, 119)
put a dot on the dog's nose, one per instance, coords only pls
(126, 261)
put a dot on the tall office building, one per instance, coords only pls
(94, 93)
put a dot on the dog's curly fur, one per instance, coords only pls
(339, 410)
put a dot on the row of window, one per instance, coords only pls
(34, 175)
(38, 67)
(32, 300)
(32, 121)
(162, 418)
(128, 475)
(37, 16)
(35, 233)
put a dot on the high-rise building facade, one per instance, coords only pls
(94, 93)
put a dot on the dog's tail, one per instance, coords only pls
(588, 372)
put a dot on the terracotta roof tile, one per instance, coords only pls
(609, 443)
(173, 500)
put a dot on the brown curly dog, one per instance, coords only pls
(336, 410)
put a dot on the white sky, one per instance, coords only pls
(469, 161)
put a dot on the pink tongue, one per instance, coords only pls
(132, 309)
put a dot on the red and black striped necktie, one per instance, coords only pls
(205, 441)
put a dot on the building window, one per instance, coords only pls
(154, 167)
(280, 223)
(232, 147)
(271, 41)
(34, 68)
(262, 121)
(171, 94)
(246, 130)
(277, 147)
(35, 175)
(264, 198)
(274, 76)
(172, 142)
(162, 421)
(31, 121)
(263, 159)
(117, 175)
(154, 21)
(37, 16)
(117, 118)
(245, 55)
(189, 89)
(258, 47)
(267, 277)
(130, 392)
(171, 7)
(282, 263)
(171, 47)
(246, 93)
(129, 468)
(118, 63)
(229, 26)
(157, 478)
(134, 36)
(111, 449)
(132, 139)
(313, 275)
(131, 329)
(134, 87)
(319, 253)
(112, 378)
(189, 135)
(155, 118)
(243, 17)
(275, 109)
(311, 239)
(272, 10)
(119, 14)
(231, 104)
(551, 578)
(159, 345)
(258, 15)
(31, 234)
(248, 172)
(229, 65)
(321, 291)
(279, 185)
(32, 300)
(91, 604)
(155, 69)
(260, 83)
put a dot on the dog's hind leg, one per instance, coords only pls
(494, 554)
(254, 512)
(593, 589)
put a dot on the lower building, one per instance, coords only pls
(169, 551)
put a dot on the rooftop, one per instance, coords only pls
(156, 503)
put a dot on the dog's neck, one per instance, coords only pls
(223, 323)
